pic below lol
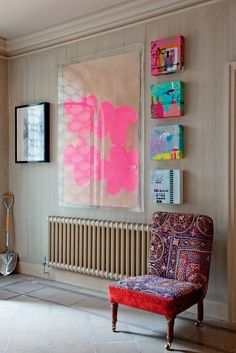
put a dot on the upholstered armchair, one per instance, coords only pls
(178, 270)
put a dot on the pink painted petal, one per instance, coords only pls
(81, 115)
(92, 101)
(115, 121)
(127, 115)
(120, 171)
(68, 153)
(81, 178)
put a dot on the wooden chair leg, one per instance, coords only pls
(200, 313)
(114, 308)
(170, 331)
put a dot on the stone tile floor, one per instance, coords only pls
(40, 316)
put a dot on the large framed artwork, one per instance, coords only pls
(100, 130)
(32, 133)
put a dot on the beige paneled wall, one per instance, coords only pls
(33, 78)
(4, 141)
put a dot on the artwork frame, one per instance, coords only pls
(32, 133)
(80, 86)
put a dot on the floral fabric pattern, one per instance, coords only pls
(180, 247)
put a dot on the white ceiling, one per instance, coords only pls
(21, 17)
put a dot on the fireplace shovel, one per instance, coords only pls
(8, 260)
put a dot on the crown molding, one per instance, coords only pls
(3, 48)
(126, 13)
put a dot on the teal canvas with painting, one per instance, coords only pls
(167, 99)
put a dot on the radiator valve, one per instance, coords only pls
(45, 265)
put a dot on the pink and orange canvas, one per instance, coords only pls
(167, 55)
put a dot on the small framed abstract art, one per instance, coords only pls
(167, 99)
(32, 133)
(166, 142)
(100, 128)
(167, 55)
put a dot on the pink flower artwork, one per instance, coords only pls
(81, 115)
(121, 170)
(85, 162)
(115, 121)
(112, 166)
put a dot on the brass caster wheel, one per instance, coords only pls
(167, 346)
(197, 323)
(114, 328)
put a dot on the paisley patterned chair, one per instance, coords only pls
(178, 270)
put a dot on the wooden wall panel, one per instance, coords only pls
(33, 78)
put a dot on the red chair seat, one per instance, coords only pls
(152, 293)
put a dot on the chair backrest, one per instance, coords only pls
(180, 247)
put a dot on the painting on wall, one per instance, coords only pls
(32, 133)
(166, 142)
(167, 99)
(167, 55)
(99, 148)
(167, 186)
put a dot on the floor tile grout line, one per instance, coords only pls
(56, 284)
(11, 283)
(13, 297)
(80, 291)
(25, 293)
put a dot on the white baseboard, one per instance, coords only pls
(213, 309)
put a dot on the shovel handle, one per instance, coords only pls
(8, 222)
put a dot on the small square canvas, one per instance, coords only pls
(166, 142)
(167, 99)
(167, 55)
(167, 186)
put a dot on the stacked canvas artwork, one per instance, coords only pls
(167, 101)
(166, 142)
(167, 186)
(167, 55)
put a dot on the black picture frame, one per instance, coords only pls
(32, 125)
